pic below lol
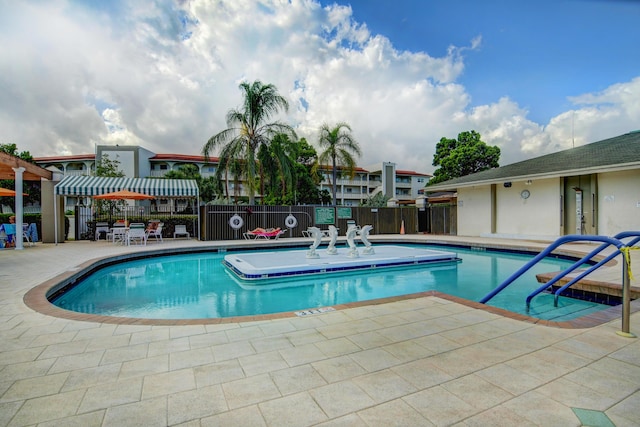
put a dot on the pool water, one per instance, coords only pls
(197, 286)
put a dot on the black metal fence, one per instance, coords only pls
(85, 220)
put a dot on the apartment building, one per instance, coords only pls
(138, 162)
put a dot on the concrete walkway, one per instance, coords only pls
(413, 362)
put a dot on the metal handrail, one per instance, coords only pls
(560, 241)
(622, 235)
(574, 266)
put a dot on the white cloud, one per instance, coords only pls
(163, 77)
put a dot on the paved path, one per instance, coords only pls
(414, 362)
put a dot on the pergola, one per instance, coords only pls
(12, 167)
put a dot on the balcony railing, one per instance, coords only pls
(77, 172)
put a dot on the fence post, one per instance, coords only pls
(626, 296)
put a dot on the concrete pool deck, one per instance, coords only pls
(420, 361)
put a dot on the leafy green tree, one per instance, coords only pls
(307, 176)
(229, 170)
(463, 156)
(32, 188)
(379, 200)
(206, 186)
(277, 170)
(248, 128)
(12, 149)
(338, 146)
(109, 168)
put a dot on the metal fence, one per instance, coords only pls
(86, 218)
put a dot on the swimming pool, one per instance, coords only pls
(197, 285)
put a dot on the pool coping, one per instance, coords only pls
(37, 297)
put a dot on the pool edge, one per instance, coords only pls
(37, 297)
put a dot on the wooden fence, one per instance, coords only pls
(220, 222)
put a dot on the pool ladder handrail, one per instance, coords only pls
(547, 251)
(585, 273)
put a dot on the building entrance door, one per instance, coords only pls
(580, 205)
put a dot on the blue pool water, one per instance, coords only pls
(197, 286)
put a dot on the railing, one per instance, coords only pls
(559, 242)
(622, 235)
(77, 172)
(621, 248)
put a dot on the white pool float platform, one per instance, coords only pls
(268, 265)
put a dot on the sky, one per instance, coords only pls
(530, 77)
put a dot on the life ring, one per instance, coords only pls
(290, 221)
(236, 222)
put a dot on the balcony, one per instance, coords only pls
(77, 172)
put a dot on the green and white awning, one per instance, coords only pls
(95, 185)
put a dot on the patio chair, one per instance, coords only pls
(117, 233)
(155, 232)
(101, 227)
(26, 234)
(137, 235)
(181, 230)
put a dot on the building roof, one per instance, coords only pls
(96, 185)
(618, 153)
(412, 173)
(55, 159)
(184, 158)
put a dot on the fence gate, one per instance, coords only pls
(443, 218)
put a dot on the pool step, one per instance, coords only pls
(566, 308)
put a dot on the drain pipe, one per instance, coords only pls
(626, 293)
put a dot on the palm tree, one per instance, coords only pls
(249, 127)
(337, 144)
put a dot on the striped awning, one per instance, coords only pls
(96, 185)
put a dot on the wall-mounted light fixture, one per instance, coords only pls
(507, 185)
(529, 182)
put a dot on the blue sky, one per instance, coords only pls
(531, 77)
(538, 53)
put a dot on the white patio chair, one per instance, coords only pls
(137, 235)
(156, 232)
(117, 234)
(26, 235)
(181, 230)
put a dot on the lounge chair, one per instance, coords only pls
(352, 222)
(155, 230)
(273, 234)
(253, 234)
(181, 230)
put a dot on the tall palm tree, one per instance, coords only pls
(337, 144)
(249, 127)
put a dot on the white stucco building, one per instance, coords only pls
(592, 189)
